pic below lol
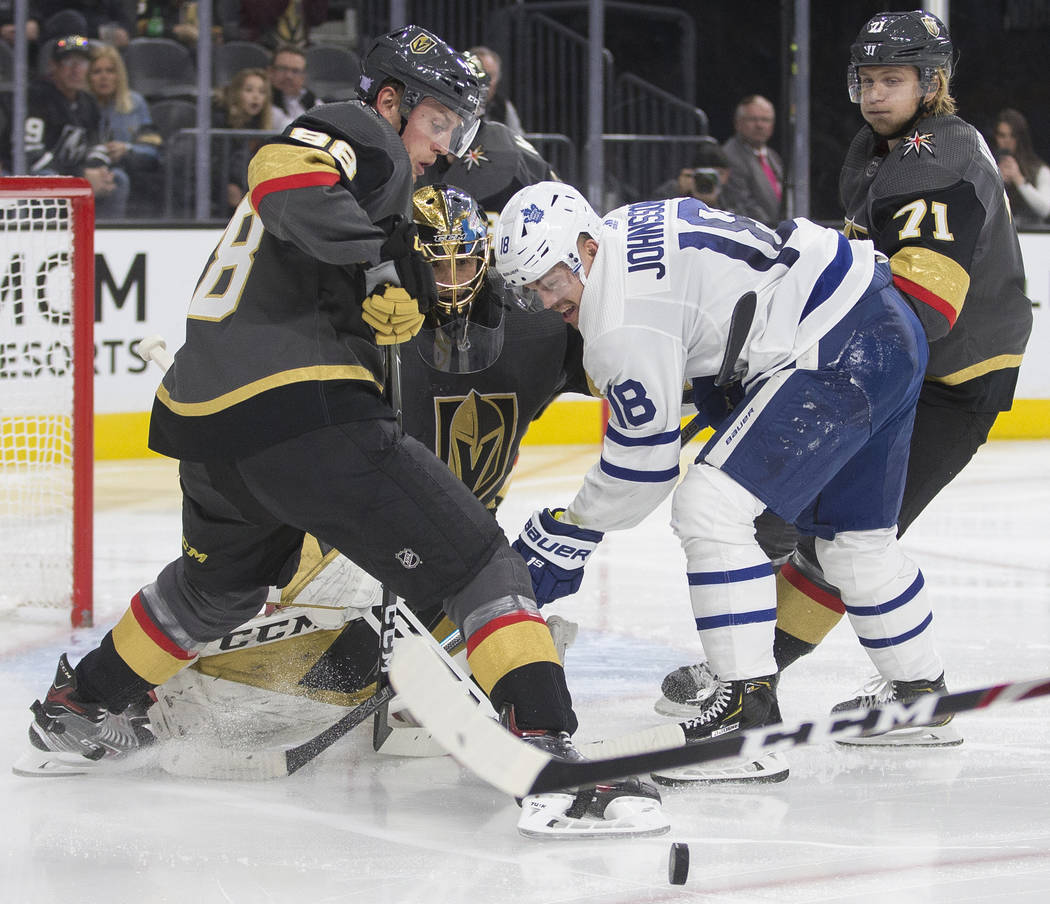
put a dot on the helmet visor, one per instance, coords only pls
(550, 288)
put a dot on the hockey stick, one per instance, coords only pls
(381, 726)
(512, 766)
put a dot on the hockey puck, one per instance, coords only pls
(678, 863)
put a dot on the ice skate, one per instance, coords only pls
(621, 809)
(685, 690)
(879, 691)
(71, 736)
(731, 706)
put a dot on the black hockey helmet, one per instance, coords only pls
(464, 332)
(915, 38)
(427, 67)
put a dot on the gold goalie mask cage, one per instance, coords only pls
(464, 332)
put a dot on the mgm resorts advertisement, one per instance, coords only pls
(144, 279)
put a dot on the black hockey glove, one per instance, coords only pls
(401, 248)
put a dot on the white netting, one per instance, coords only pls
(36, 402)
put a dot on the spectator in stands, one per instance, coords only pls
(7, 22)
(1025, 175)
(291, 97)
(242, 104)
(706, 180)
(272, 22)
(62, 128)
(755, 180)
(107, 20)
(126, 129)
(173, 19)
(497, 107)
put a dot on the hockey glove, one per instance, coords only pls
(714, 403)
(414, 274)
(392, 313)
(555, 552)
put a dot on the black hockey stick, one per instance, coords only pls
(516, 768)
(381, 727)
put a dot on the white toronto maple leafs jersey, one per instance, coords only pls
(655, 314)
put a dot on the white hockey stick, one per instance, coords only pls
(512, 766)
(155, 349)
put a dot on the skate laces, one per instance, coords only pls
(715, 706)
(874, 692)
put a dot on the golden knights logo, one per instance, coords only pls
(918, 143)
(422, 43)
(474, 435)
(931, 26)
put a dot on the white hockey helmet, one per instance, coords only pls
(538, 230)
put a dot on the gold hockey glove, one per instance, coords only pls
(393, 314)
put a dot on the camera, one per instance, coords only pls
(705, 180)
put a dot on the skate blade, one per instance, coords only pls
(35, 763)
(772, 767)
(921, 736)
(543, 817)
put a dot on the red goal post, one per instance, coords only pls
(47, 353)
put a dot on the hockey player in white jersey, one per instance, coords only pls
(805, 360)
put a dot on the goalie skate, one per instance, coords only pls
(878, 691)
(72, 736)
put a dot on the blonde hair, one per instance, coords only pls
(122, 93)
(237, 117)
(942, 104)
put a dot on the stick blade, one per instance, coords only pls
(443, 706)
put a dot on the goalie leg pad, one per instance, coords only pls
(772, 767)
(626, 809)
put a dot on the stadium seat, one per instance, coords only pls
(160, 68)
(229, 58)
(171, 115)
(332, 73)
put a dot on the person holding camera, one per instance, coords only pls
(1025, 175)
(706, 180)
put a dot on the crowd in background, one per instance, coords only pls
(87, 116)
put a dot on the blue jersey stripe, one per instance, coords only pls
(899, 639)
(736, 618)
(830, 279)
(895, 603)
(702, 578)
(638, 476)
(658, 439)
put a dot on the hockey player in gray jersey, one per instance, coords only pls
(922, 185)
(274, 407)
(828, 359)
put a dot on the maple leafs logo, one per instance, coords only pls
(919, 143)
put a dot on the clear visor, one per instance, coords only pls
(551, 288)
(860, 83)
(449, 131)
(461, 346)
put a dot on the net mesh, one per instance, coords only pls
(36, 402)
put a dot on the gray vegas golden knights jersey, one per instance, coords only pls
(475, 422)
(935, 206)
(497, 166)
(275, 344)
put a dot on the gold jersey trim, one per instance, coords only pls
(320, 373)
(999, 362)
(937, 274)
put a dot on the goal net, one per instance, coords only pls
(47, 314)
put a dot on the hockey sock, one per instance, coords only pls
(103, 677)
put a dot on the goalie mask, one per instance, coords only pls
(464, 332)
(915, 38)
(427, 67)
(537, 231)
